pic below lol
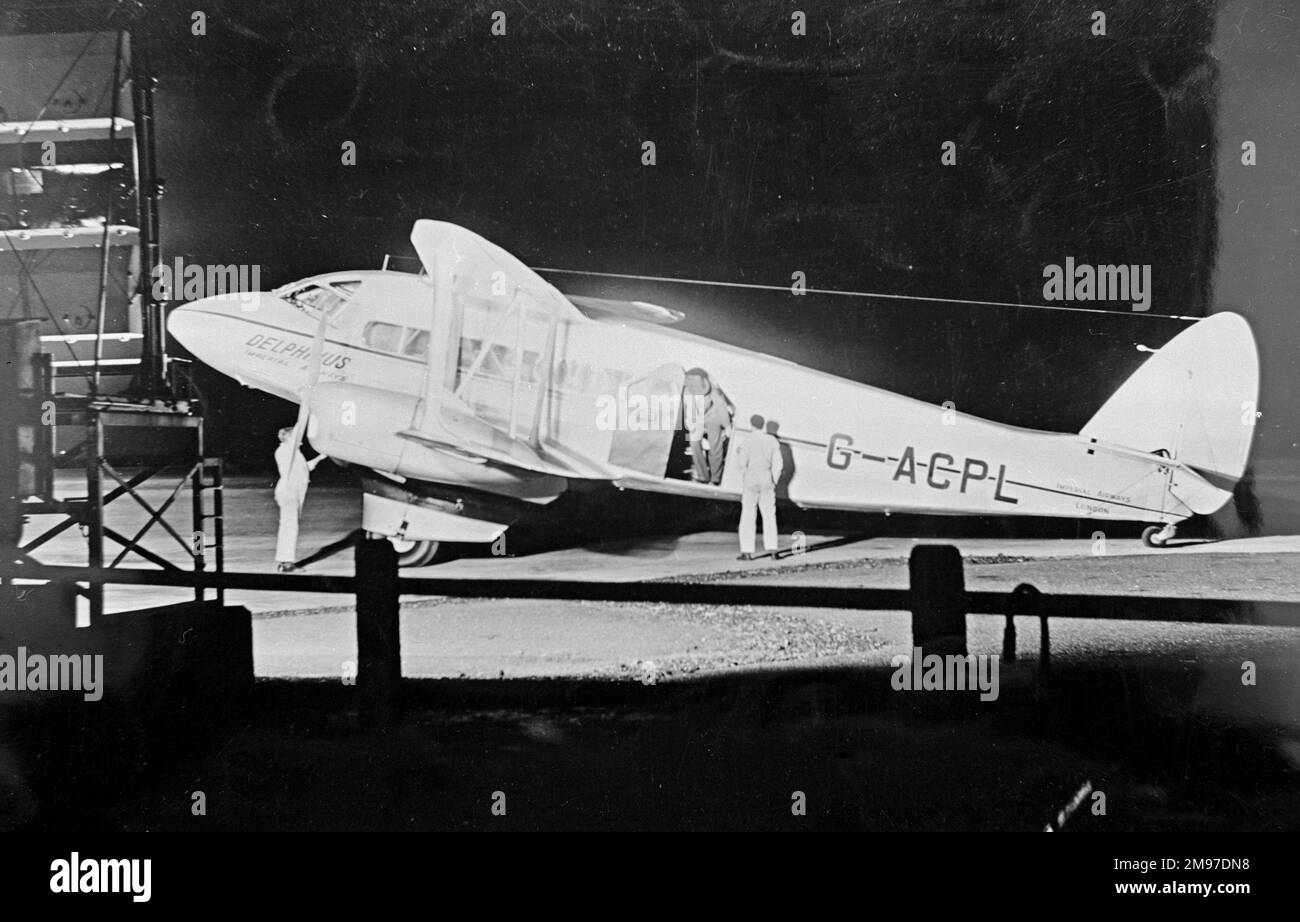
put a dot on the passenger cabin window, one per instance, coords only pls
(389, 337)
(500, 362)
(468, 349)
(386, 337)
(530, 371)
(416, 344)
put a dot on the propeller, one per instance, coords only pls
(309, 387)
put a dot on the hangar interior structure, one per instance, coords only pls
(91, 411)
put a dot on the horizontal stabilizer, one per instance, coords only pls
(1197, 493)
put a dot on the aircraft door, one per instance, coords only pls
(649, 413)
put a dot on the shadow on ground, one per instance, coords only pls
(726, 752)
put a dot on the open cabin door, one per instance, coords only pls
(648, 415)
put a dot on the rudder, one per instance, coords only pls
(1195, 399)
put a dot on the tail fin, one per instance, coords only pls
(1194, 398)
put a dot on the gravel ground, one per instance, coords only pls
(650, 643)
(1269, 576)
(517, 638)
(751, 636)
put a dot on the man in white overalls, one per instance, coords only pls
(290, 494)
(758, 456)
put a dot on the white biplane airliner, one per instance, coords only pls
(475, 390)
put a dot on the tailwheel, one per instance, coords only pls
(1158, 535)
(415, 553)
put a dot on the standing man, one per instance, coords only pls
(759, 458)
(290, 494)
(708, 416)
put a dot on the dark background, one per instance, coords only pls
(776, 153)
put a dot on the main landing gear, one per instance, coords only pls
(415, 553)
(1158, 535)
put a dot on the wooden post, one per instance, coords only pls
(1044, 649)
(1026, 600)
(379, 642)
(938, 599)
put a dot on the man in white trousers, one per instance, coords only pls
(290, 494)
(758, 456)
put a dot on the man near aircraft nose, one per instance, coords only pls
(290, 494)
(708, 417)
(758, 456)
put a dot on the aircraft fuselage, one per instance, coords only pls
(569, 387)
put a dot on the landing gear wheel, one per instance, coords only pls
(1157, 535)
(414, 553)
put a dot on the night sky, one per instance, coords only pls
(775, 153)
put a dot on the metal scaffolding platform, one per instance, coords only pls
(75, 168)
(190, 466)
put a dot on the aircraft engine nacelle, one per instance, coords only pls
(360, 424)
(363, 426)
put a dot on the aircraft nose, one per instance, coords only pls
(187, 325)
(203, 325)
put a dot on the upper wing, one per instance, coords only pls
(607, 308)
(478, 268)
(469, 273)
